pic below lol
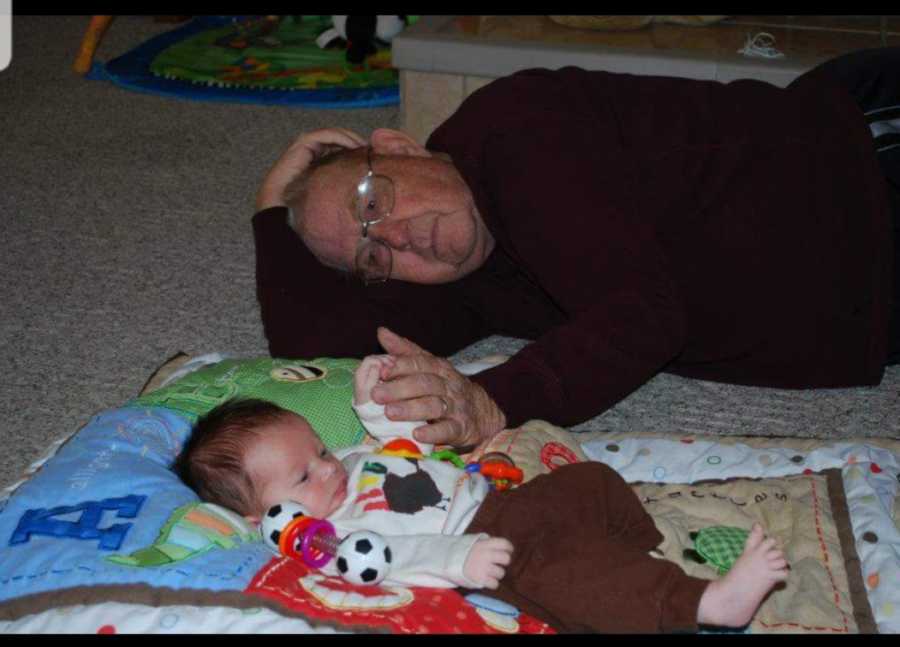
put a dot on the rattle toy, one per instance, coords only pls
(401, 447)
(499, 469)
(448, 455)
(363, 557)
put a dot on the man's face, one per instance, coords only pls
(434, 230)
(289, 462)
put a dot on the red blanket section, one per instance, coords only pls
(397, 609)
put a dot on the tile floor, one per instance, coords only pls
(442, 59)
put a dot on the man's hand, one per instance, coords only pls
(297, 157)
(487, 560)
(420, 386)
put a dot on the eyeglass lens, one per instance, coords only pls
(375, 200)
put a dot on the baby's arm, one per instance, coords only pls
(446, 561)
(367, 375)
(371, 414)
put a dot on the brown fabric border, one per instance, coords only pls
(862, 611)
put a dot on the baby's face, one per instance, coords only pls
(289, 462)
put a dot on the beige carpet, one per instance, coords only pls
(126, 238)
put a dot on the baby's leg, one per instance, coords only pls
(581, 560)
(732, 600)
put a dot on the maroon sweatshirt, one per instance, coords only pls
(730, 232)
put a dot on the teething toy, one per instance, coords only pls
(363, 556)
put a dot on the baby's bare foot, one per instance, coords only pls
(732, 600)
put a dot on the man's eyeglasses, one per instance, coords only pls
(374, 202)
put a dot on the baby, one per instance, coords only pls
(571, 547)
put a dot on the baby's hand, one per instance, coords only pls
(486, 561)
(367, 376)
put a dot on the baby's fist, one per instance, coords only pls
(367, 375)
(487, 560)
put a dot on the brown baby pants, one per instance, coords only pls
(580, 562)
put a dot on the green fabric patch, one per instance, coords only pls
(320, 390)
(191, 530)
(271, 55)
(721, 545)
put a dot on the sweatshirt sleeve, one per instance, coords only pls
(582, 368)
(426, 560)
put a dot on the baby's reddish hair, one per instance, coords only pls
(212, 461)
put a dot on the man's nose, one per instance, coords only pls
(394, 234)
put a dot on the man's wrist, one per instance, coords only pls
(267, 198)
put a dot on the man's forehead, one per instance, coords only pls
(328, 226)
(346, 169)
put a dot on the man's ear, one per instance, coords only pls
(388, 141)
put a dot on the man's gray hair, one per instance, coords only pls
(296, 191)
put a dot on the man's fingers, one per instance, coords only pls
(420, 386)
(315, 144)
(410, 357)
(297, 157)
(409, 387)
(442, 432)
(342, 137)
(351, 137)
(417, 364)
(410, 364)
(394, 344)
(429, 407)
(348, 138)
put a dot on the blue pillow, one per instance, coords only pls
(107, 509)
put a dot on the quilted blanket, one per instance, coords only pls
(101, 537)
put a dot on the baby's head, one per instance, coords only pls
(248, 455)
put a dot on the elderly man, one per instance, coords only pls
(625, 225)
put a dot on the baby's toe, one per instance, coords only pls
(755, 537)
(768, 544)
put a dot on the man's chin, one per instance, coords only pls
(426, 272)
(433, 278)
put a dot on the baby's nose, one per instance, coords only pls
(327, 469)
